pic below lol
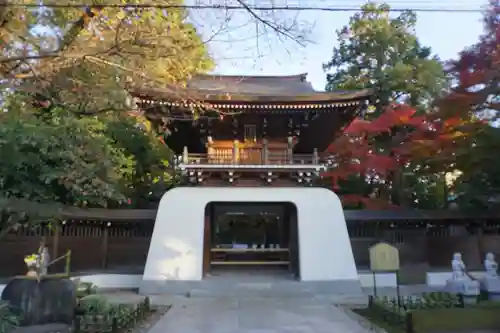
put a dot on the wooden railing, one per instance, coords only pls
(251, 157)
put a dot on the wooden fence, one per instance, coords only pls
(111, 240)
(118, 241)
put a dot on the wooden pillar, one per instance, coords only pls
(290, 150)
(265, 152)
(480, 243)
(315, 156)
(235, 151)
(185, 155)
(55, 241)
(210, 149)
(104, 249)
(211, 156)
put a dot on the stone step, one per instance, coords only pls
(283, 289)
(250, 292)
(329, 291)
(347, 300)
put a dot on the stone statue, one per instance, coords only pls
(458, 267)
(460, 282)
(490, 283)
(491, 266)
(44, 260)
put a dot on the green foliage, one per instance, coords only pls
(478, 186)
(392, 311)
(8, 320)
(383, 53)
(97, 314)
(151, 176)
(431, 312)
(64, 160)
(94, 304)
(431, 300)
(58, 159)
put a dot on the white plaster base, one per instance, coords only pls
(175, 256)
(133, 281)
(112, 281)
(438, 279)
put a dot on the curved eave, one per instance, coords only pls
(198, 97)
(259, 107)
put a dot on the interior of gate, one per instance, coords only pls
(251, 238)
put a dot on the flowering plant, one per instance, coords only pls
(32, 260)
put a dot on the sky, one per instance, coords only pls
(235, 49)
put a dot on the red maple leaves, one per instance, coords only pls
(399, 136)
(378, 148)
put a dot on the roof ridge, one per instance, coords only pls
(300, 76)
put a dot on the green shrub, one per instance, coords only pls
(94, 305)
(433, 300)
(8, 320)
(97, 314)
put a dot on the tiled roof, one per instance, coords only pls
(253, 85)
(251, 89)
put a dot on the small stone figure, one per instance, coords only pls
(491, 266)
(458, 267)
(43, 252)
(460, 282)
(490, 283)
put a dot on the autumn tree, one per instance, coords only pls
(107, 51)
(474, 102)
(89, 57)
(382, 53)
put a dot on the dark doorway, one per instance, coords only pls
(251, 237)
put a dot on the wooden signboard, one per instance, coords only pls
(384, 258)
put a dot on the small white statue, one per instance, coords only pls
(458, 267)
(461, 282)
(491, 266)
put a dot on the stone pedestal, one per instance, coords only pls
(469, 289)
(491, 285)
(51, 300)
(47, 328)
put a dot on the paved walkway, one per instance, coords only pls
(292, 315)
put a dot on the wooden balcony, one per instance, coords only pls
(253, 153)
(250, 157)
(230, 162)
